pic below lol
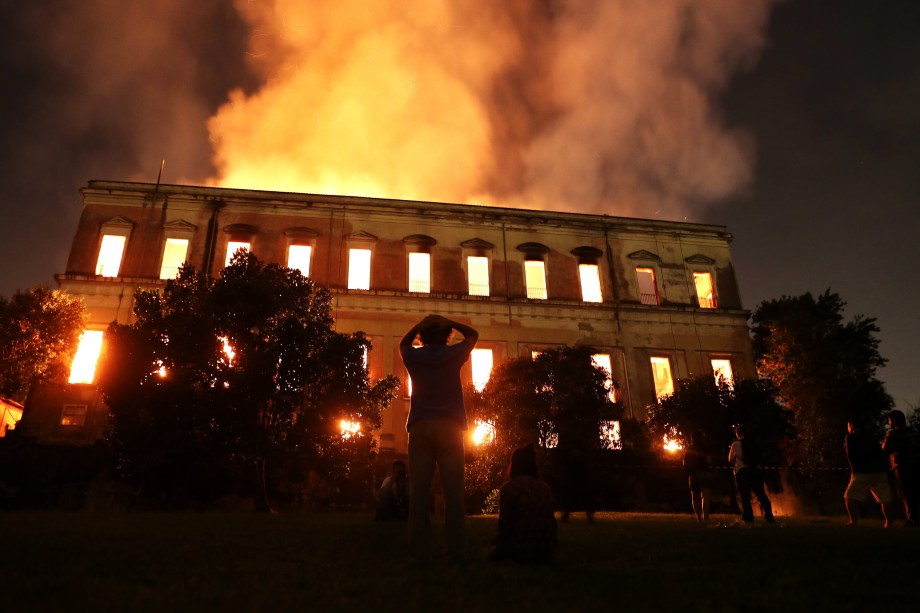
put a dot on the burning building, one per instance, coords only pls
(657, 300)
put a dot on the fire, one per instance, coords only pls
(349, 428)
(228, 350)
(671, 445)
(83, 368)
(483, 433)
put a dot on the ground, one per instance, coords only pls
(345, 561)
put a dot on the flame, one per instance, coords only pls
(83, 367)
(671, 445)
(349, 428)
(483, 433)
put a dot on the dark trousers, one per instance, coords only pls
(908, 481)
(750, 481)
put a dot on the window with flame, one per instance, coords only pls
(477, 268)
(481, 362)
(359, 269)
(602, 361)
(110, 252)
(420, 273)
(610, 435)
(174, 252)
(535, 278)
(590, 282)
(233, 247)
(648, 289)
(661, 373)
(83, 367)
(705, 291)
(299, 258)
(722, 370)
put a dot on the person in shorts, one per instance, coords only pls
(868, 471)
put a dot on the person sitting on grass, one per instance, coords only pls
(393, 495)
(526, 519)
(868, 471)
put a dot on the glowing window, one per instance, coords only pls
(83, 369)
(232, 248)
(590, 282)
(173, 257)
(610, 435)
(722, 369)
(602, 360)
(359, 269)
(110, 252)
(478, 273)
(483, 433)
(73, 415)
(299, 258)
(705, 293)
(481, 361)
(648, 290)
(535, 278)
(419, 273)
(661, 372)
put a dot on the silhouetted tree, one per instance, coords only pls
(39, 333)
(236, 379)
(823, 367)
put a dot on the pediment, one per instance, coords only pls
(180, 225)
(361, 237)
(422, 240)
(642, 254)
(699, 258)
(587, 254)
(533, 248)
(477, 243)
(118, 222)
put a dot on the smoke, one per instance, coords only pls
(606, 106)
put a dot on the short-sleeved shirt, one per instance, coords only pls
(436, 388)
(864, 453)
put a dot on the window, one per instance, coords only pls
(535, 278)
(722, 369)
(705, 293)
(420, 273)
(478, 274)
(481, 361)
(173, 257)
(602, 360)
(610, 435)
(299, 258)
(83, 368)
(648, 289)
(233, 247)
(590, 282)
(73, 415)
(110, 252)
(661, 372)
(359, 269)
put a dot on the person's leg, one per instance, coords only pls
(852, 510)
(696, 499)
(910, 481)
(766, 507)
(743, 484)
(706, 495)
(450, 465)
(422, 460)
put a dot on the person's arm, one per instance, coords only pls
(470, 335)
(406, 343)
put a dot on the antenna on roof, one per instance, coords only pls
(156, 189)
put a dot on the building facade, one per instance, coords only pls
(657, 300)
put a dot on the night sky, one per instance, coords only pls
(832, 109)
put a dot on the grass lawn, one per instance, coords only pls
(345, 561)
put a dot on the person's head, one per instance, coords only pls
(740, 432)
(896, 419)
(435, 334)
(524, 462)
(854, 423)
(399, 468)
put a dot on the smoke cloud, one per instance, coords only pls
(605, 106)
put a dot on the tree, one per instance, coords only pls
(823, 367)
(39, 333)
(237, 380)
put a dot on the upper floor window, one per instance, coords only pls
(661, 373)
(535, 278)
(705, 291)
(110, 252)
(83, 367)
(722, 370)
(420, 272)
(174, 252)
(481, 362)
(233, 247)
(299, 258)
(478, 275)
(590, 283)
(648, 289)
(74, 415)
(359, 268)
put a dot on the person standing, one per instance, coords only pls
(699, 476)
(436, 426)
(868, 471)
(744, 456)
(902, 444)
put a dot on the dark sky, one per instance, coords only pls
(833, 106)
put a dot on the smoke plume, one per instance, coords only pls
(605, 106)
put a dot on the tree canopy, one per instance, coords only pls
(39, 333)
(235, 380)
(823, 367)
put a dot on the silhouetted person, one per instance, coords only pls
(868, 471)
(393, 495)
(526, 521)
(744, 456)
(902, 444)
(436, 424)
(699, 476)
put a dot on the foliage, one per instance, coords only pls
(702, 404)
(269, 406)
(824, 368)
(39, 333)
(559, 397)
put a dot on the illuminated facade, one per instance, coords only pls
(656, 299)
